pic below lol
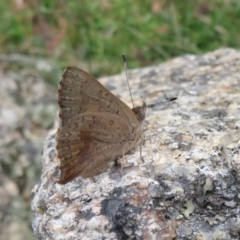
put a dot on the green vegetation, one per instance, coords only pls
(93, 34)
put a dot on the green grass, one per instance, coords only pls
(94, 34)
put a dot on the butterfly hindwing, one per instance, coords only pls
(90, 143)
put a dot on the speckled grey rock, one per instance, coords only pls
(186, 187)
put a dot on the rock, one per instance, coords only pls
(187, 185)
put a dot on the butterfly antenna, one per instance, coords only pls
(168, 100)
(126, 72)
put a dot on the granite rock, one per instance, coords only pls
(187, 185)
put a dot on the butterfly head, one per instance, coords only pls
(140, 112)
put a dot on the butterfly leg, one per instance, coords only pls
(141, 151)
(141, 146)
(123, 161)
(153, 131)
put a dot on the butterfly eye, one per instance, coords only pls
(140, 112)
(141, 115)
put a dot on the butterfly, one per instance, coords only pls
(95, 126)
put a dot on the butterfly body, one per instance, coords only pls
(95, 127)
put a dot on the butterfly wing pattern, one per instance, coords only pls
(95, 126)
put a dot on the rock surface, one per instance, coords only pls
(188, 184)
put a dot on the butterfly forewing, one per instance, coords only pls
(80, 92)
(95, 126)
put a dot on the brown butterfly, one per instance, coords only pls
(95, 126)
